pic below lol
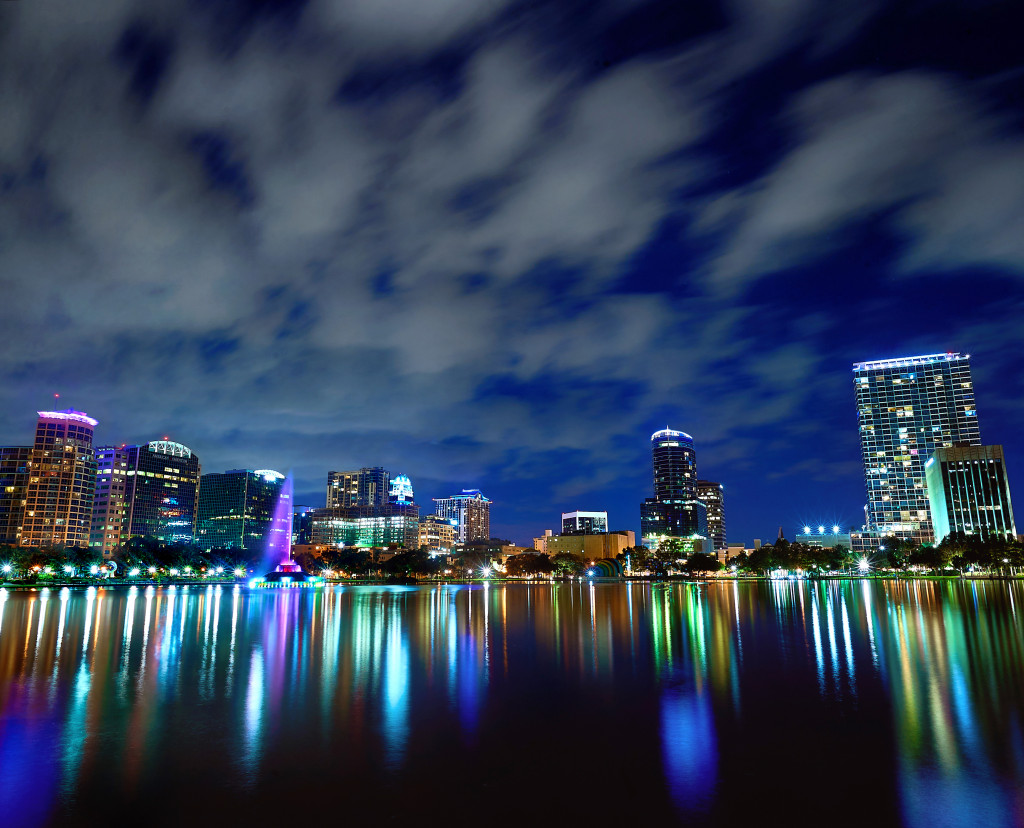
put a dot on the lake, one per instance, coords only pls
(842, 703)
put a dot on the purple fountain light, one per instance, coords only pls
(278, 555)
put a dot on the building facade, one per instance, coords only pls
(712, 495)
(584, 523)
(674, 511)
(362, 487)
(62, 481)
(14, 465)
(470, 510)
(437, 534)
(968, 492)
(365, 527)
(108, 512)
(588, 546)
(906, 409)
(161, 492)
(236, 507)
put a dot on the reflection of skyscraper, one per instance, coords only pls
(159, 495)
(472, 512)
(362, 487)
(62, 481)
(712, 495)
(674, 511)
(907, 408)
(236, 507)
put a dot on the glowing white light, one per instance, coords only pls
(220, 570)
(487, 571)
(6, 567)
(807, 530)
(174, 571)
(93, 569)
(133, 573)
(835, 530)
(863, 565)
(188, 569)
(239, 572)
(821, 530)
(152, 570)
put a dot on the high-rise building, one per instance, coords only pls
(438, 534)
(712, 495)
(236, 507)
(968, 492)
(470, 510)
(14, 465)
(158, 497)
(362, 487)
(107, 532)
(584, 523)
(61, 482)
(906, 409)
(366, 526)
(674, 511)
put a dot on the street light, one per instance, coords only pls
(239, 572)
(6, 568)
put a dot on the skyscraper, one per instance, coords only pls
(674, 511)
(61, 482)
(968, 492)
(149, 490)
(906, 409)
(362, 487)
(108, 511)
(236, 507)
(14, 463)
(471, 511)
(712, 495)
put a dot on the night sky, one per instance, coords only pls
(497, 244)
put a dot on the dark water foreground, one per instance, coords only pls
(894, 703)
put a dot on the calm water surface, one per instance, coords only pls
(841, 703)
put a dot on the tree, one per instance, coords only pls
(565, 563)
(700, 563)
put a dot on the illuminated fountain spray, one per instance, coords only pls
(284, 572)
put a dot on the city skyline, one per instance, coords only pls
(381, 477)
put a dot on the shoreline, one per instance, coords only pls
(111, 583)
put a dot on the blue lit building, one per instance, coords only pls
(969, 493)
(906, 409)
(675, 511)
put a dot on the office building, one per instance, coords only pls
(362, 487)
(471, 512)
(906, 409)
(588, 546)
(236, 507)
(158, 498)
(712, 495)
(61, 482)
(14, 464)
(674, 511)
(968, 492)
(584, 523)
(107, 530)
(437, 534)
(365, 527)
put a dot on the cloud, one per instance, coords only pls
(916, 145)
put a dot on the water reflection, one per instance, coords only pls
(687, 694)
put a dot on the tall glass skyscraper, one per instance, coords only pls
(236, 507)
(906, 409)
(674, 511)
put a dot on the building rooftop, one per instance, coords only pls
(906, 362)
(69, 414)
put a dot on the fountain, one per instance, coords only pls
(285, 571)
